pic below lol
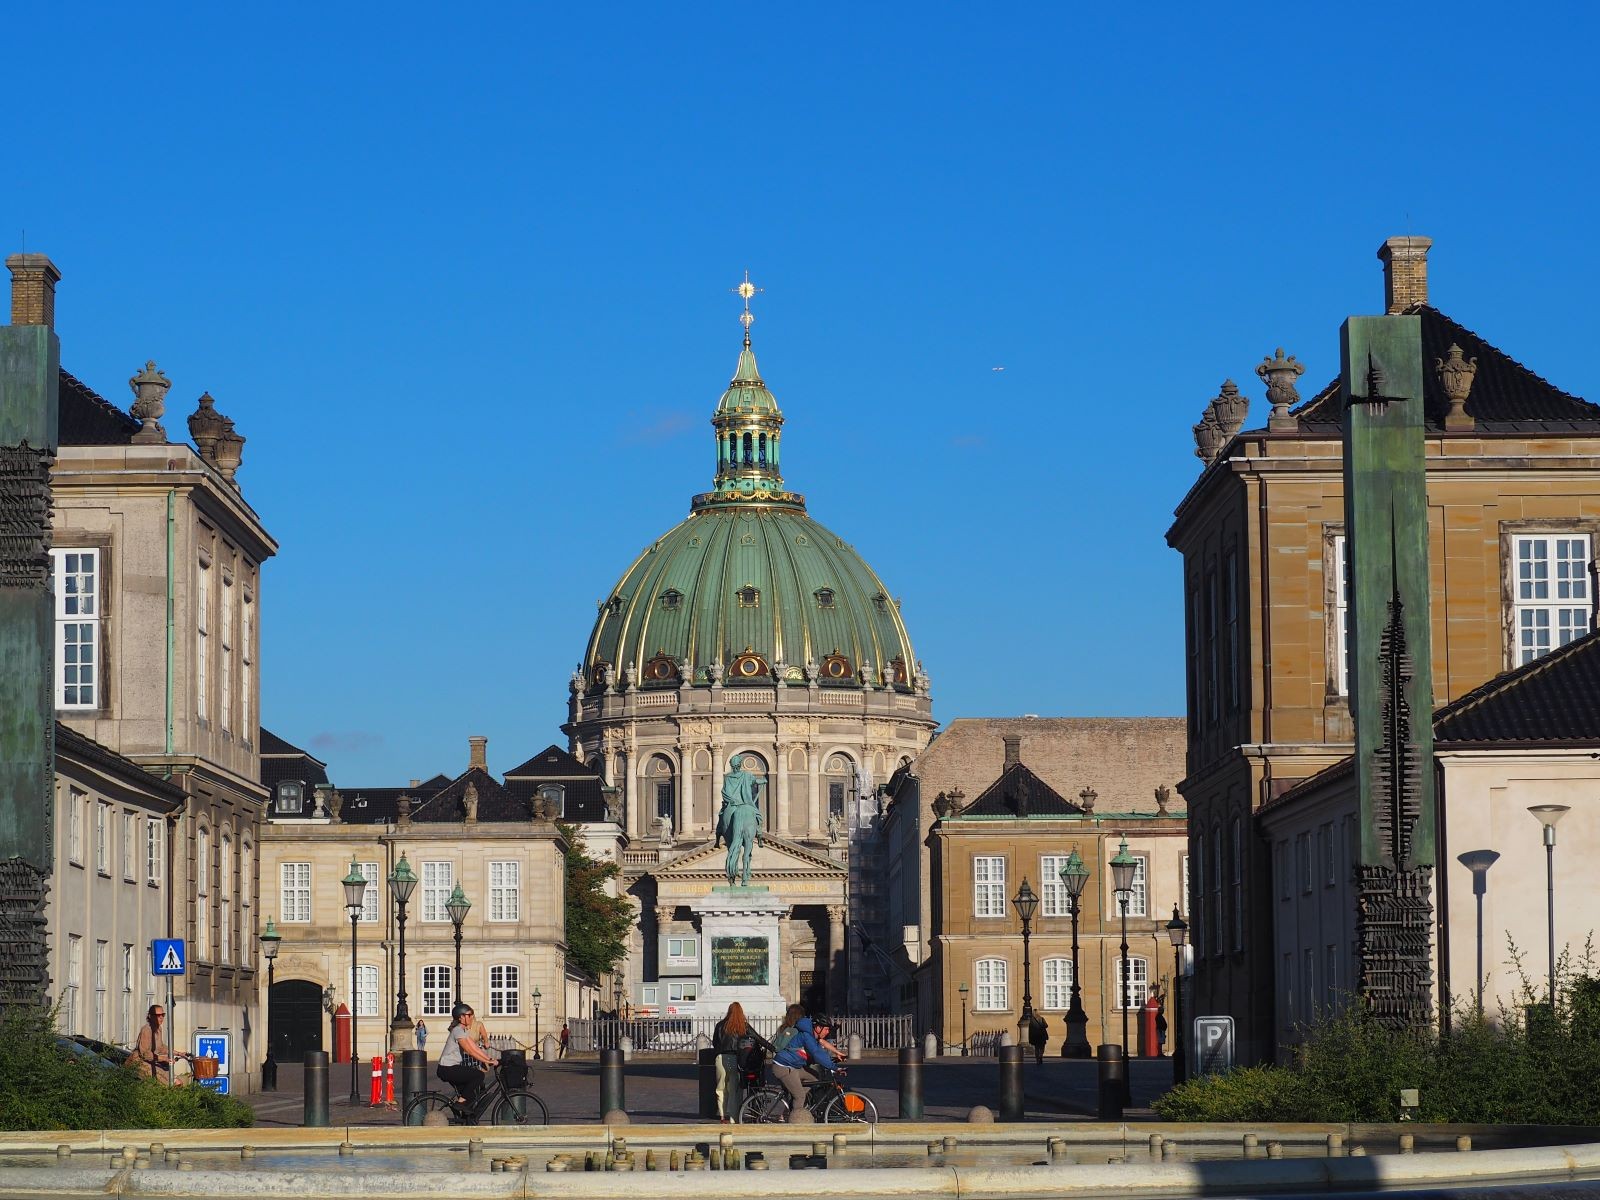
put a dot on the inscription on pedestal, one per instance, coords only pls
(739, 962)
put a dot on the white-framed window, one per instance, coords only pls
(371, 895)
(505, 891)
(364, 987)
(155, 842)
(684, 949)
(1183, 885)
(1139, 901)
(202, 886)
(77, 612)
(1551, 605)
(990, 993)
(650, 994)
(125, 1018)
(225, 667)
(988, 886)
(1053, 899)
(130, 837)
(1341, 615)
(76, 802)
(247, 880)
(1202, 931)
(682, 993)
(1139, 975)
(69, 995)
(289, 800)
(225, 895)
(437, 880)
(436, 996)
(102, 837)
(505, 992)
(102, 968)
(202, 646)
(1057, 983)
(294, 892)
(247, 662)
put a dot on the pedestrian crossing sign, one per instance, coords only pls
(167, 956)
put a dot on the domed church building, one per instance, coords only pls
(748, 632)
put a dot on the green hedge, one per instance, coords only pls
(45, 1087)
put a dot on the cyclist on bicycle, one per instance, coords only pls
(459, 1060)
(800, 1051)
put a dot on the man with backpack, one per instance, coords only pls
(796, 1047)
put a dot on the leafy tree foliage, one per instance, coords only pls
(598, 923)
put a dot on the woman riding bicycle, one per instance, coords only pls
(799, 1051)
(459, 1060)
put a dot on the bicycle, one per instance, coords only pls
(511, 1105)
(829, 1101)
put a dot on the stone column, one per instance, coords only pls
(717, 769)
(780, 792)
(630, 793)
(836, 957)
(685, 788)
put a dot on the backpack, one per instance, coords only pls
(781, 1040)
(750, 1057)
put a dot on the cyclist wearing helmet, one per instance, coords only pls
(459, 1060)
(796, 1054)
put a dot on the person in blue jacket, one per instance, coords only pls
(797, 1047)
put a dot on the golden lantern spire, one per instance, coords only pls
(745, 291)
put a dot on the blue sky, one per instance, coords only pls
(461, 276)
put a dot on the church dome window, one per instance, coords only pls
(663, 668)
(749, 665)
(671, 599)
(897, 670)
(597, 675)
(836, 667)
(749, 596)
(825, 598)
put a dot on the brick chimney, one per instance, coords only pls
(478, 753)
(33, 289)
(1013, 749)
(1405, 272)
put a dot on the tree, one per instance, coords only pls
(598, 924)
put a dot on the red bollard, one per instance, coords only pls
(388, 1081)
(377, 1081)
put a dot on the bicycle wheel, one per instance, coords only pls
(765, 1106)
(432, 1104)
(521, 1107)
(850, 1108)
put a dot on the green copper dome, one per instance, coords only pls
(749, 586)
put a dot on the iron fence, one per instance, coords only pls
(678, 1035)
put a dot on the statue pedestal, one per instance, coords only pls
(739, 931)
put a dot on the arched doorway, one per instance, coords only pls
(295, 1019)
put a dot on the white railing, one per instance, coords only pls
(749, 696)
(841, 699)
(658, 700)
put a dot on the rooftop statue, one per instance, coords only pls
(739, 820)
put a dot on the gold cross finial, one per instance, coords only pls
(744, 291)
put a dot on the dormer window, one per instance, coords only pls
(671, 599)
(290, 798)
(749, 596)
(553, 798)
(882, 602)
(614, 605)
(824, 597)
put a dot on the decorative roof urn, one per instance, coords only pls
(1455, 377)
(1208, 438)
(1279, 374)
(149, 388)
(205, 427)
(1231, 407)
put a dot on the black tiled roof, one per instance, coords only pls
(1506, 397)
(550, 763)
(88, 419)
(1020, 793)
(74, 744)
(280, 760)
(1554, 699)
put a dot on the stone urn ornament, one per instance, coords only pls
(1087, 797)
(1208, 438)
(1279, 374)
(149, 389)
(206, 425)
(1456, 374)
(1231, 407)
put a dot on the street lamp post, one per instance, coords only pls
(402, 882)
(1123, 866)
(537, 1053)
(1178, 931)
(1073, 876)
(1479, 862)
(1548, 815)
(1026, 903)
(963, 990)
(458, 906)
(355, 887)
(270, 937)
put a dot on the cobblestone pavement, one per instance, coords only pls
(666, 1090)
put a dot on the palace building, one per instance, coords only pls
(748, 629)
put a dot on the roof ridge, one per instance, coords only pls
(1418, 309)
(1515, 677)
(68, 377)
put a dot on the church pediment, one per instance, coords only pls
(774, 858)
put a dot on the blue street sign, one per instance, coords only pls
(219, 1084)
(167, 956)
(213, 1045)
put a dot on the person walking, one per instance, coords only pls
(566, 1039)
(1038, 1036)
(732, 1040)
(422, 1036)
(797, 1048)
(1161, 1023)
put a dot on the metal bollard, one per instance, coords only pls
(413, 1080)
(315, 1072)
(708, 1084)
(1113, 1081)
(910, 1084)
(613, 1092)
(1010, 1083)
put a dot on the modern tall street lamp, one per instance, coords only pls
(458, 906)
(963, 990)
(1026, 903)
(1479, 862)
(355, 889)
(1123, 866)
(1073, 876)
(402, 882)
(1548, 815)
(1178, 931)
(270, 937)
(537, 1053)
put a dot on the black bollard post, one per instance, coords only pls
(910, 1083)
(413, 1080)
(613, 1095)
(1113, 1081)
(708, 1084)
(1010, 1083)
(315, 1072)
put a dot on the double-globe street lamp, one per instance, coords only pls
(402, 882)
(355, 889)
(1548, 815)
(1123, 866)
(269, 938)
(458, 906)
(1479, 862)
(1073, 877)
(1178, 932)
(537, 994)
